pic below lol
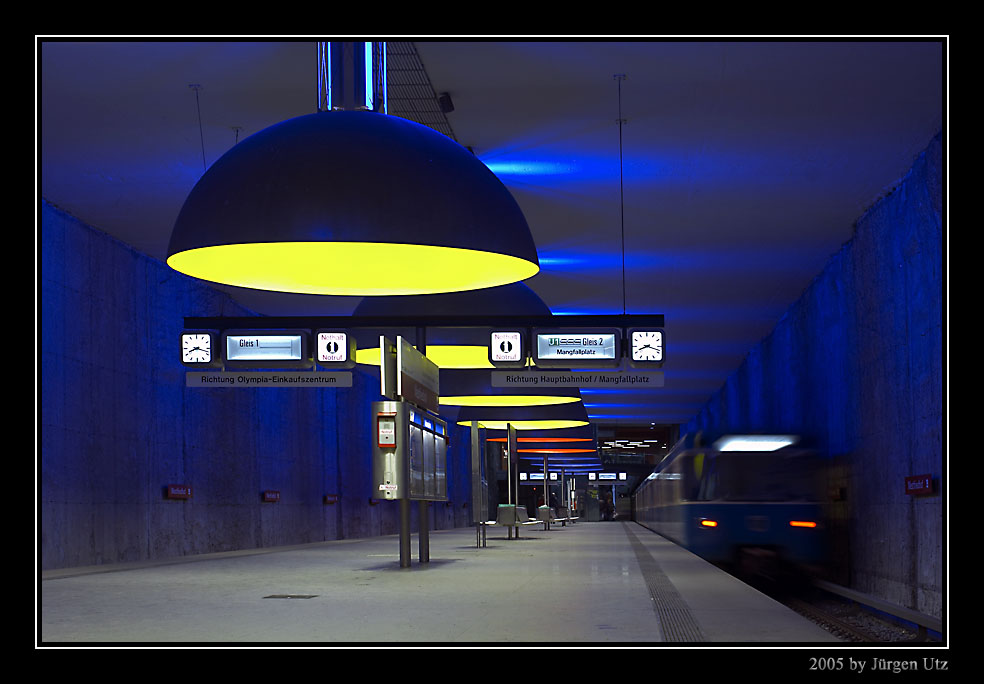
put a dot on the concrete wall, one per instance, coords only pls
(117, 425)
(856, 365)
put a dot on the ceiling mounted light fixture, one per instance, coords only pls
(352, 201)
(551, 417)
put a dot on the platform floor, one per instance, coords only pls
(584, 583)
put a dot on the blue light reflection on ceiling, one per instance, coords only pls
(555, 165)
(747, 259)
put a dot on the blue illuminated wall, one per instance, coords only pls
(856, 366)
(117, 425)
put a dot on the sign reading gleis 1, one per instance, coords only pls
(262, 349)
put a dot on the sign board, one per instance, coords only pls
(621, 379)
(576, 348)
(417, 377)
(176, 491)
(507, 349)
(293, 379)
(265, 349)
(919, 484)
(334, 349)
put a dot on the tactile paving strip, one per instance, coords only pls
(675, 619)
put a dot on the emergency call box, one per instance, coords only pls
(386, 430)
(409, 456)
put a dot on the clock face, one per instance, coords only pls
(196, 348)
(647, 345)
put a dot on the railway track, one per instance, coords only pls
(840, 628)
(850, 621)
(847, 619)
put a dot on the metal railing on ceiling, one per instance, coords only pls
(410, 94)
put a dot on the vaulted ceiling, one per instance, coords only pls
(727, 172)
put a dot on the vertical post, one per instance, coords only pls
(478, 511)
(352, 76)
(423, 534)
(404, 532)
(546, 493)
(511, 452)
(423, 517)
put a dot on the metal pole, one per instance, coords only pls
(563, 499)
(423, 536)
(511, 449)
(546, 491)
(405, 532)
(476, 484)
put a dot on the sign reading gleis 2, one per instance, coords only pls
(567, 348)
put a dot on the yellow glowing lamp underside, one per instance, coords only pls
(468, 356)
(527, 424)
(506, 400)
(443, 355)
(351, 268)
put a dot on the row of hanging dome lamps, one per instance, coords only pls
(352, 201)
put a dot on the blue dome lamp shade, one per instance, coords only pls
(352, 203)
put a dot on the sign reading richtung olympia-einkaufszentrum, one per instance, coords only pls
(270, 379)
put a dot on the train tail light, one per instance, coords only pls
(707, 522)
(802, 523)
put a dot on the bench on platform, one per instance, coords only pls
(511, 515)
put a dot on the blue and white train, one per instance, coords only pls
(755, 510)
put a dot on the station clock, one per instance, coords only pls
(199, 349)
(646, 347)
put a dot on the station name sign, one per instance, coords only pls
(585, 346)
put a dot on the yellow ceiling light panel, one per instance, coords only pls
(507, 400)
(443, 355)
(458, 356)
(351, 268)
(545, 424)
(368, 357)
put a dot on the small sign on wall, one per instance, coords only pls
(271, 496)
(919, 484)
(177, 491)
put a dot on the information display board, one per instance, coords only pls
(417, 377)
(266, 349)
(571, 348)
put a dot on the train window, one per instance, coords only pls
(736, 476)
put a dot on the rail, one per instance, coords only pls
(921, 620)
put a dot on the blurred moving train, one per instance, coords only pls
(748, 509)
